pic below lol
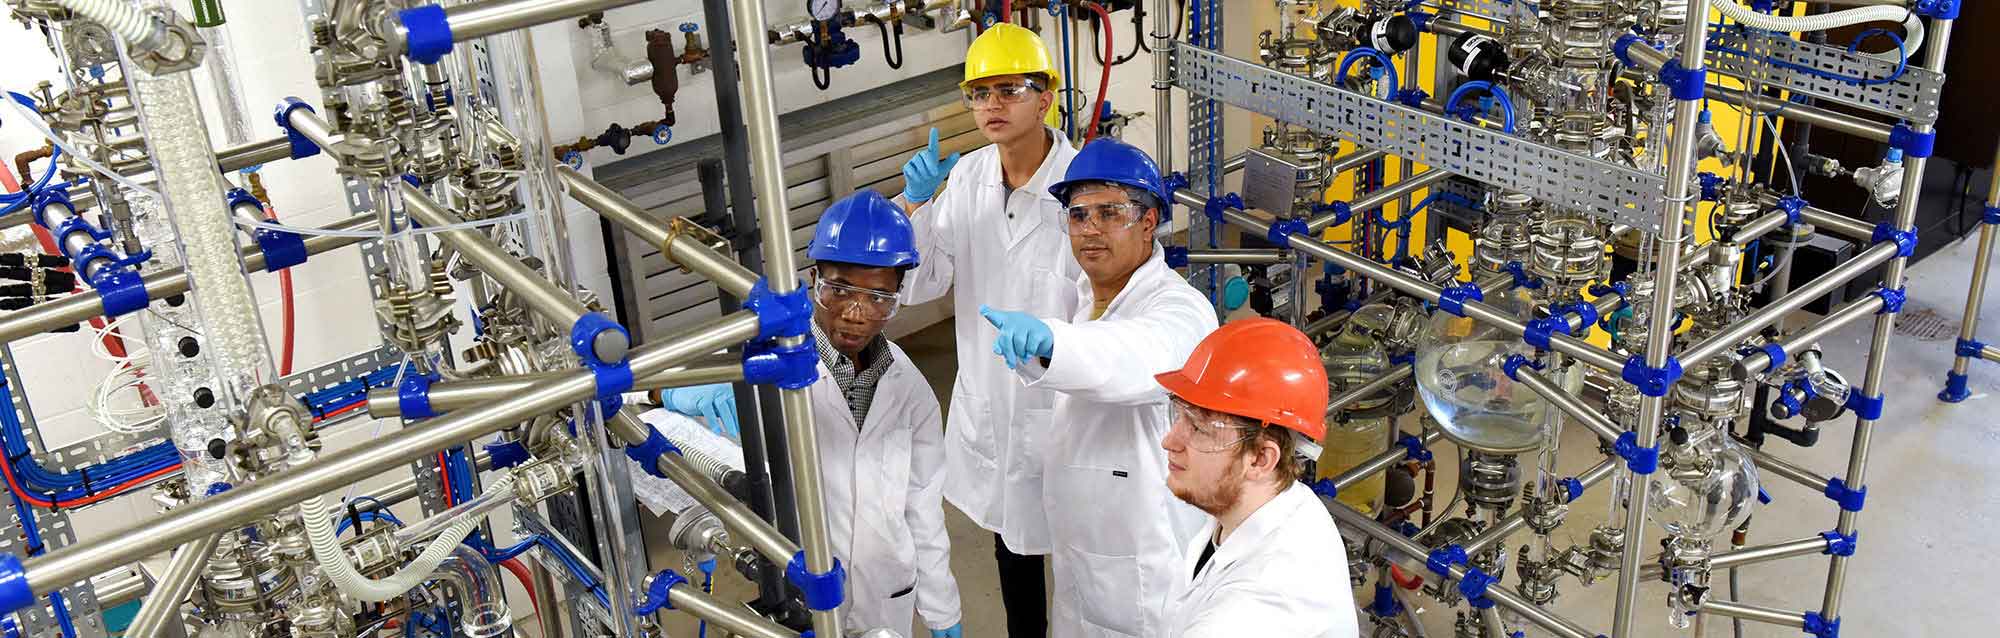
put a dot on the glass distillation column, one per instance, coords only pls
(1359, 430)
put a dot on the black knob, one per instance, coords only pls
(217, 448)
(203, 397)
(189, 347)
(176, 300)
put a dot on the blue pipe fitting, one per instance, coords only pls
(506, 454)
(1422, 19)
(413, 396)
(1992, 215)
(790, 368)
(301, 147)
(613, 377)
(1385, 604)
(1175, 181)
(786, 315)
(1512, 365)
(1864, 406)
(1652, 382)
(1409, 358)
(1955, 389)
(1838, 544)
(1641, 460)
(1282, 231)
(1911, 142)
(1413, 448)
(1711, 186)
(1572, 489)
(429, 33)
(1776, 353)
(1474, 585)
(821, 591)
(1177, 256)
(1586, 314)
(1685, 84)
(1763, 497)
(1538, 331)
(648, 452)
(1849, 499)
(1413, 98)
(218, 487)
(121, 291)
(1452, 298)
(1215, 205)
(1794, 208)
(1937, 9)
(1441, 559)
(1521, 277)
(1968, 348)
(1324, 488)
(53, 196)
(282, 249)
(1892, 299)
(1821, 627)
(1623, 47)
(1342, 212)
(657, 588)
(15, 593)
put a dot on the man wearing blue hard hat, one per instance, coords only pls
(1118, 532)
(881, 437)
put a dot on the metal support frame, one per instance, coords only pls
(1968, 326)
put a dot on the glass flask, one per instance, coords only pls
(1360, 430)
(1460, 380)
(1708, 484)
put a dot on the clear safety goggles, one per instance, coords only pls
(840, 297)
(1103, 218)
(1008, 93)
(1207, 430)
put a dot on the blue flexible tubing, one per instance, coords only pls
(1388, 66)
(1499, 95)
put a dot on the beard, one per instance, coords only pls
(1220, 496)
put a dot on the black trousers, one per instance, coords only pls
(1023, 591)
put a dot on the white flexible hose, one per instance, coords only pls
(121, 17)
(335, 564)
(1913, 26)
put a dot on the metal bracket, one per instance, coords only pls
(1780, 61)
(1616, 193)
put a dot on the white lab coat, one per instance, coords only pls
(1117, 529)
(884, 484)
(1282, 574)
(1005, 251)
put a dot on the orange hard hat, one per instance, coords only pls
(1261, 369)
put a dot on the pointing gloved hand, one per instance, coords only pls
(717, 401)
(924, 172)
(1022, 336)
(955, 631)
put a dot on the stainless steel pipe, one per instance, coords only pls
(1767, 615)
(1398, 373)
(1774, 465)
(164, 605)
(733, 618)
(1591, 419)
(446, 396)
(1772, 312)
(1752, 555)
(1756, 362)
(544, 297)
(693, 255)
(241, 156)
(1237, 256)
(83, 306)
(227, 511)
(743, 523)
(480, 19)
(1381, 462)
(1381, 198)
(1409, 284)
(1838, 224)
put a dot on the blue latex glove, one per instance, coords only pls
(1022, 336)
(955, 631)
(925, 172)
(717, 401)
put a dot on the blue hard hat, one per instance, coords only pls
(867, 229)
(1110, 160)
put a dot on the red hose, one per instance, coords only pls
(285, 289)
(1006, 10)
(1104, 78)
(520, 572)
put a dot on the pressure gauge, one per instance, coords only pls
(823, 10)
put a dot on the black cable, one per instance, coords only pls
(1097, 43)
(895, 61)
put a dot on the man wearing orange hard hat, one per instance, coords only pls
(1259, 567)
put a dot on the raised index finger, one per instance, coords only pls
(934, 142)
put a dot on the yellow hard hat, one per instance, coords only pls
(1008, 49)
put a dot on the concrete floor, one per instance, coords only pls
(1932, 502)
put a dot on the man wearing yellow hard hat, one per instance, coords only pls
(993, 237)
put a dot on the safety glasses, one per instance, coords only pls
(1009, 93)
(839, 297)
(1103, 218)
(1207, 430)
